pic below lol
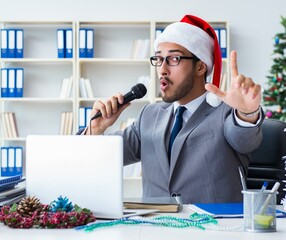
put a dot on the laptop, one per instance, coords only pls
(86, 169)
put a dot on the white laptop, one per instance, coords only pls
(86, 169)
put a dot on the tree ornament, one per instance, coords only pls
(29, 205)
(61, 205)
(269, 114)
(276, 40)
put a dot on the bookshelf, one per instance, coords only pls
(39, 110)
(116, 65)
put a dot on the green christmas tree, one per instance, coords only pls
(275, 95)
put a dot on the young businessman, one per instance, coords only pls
(219, 129)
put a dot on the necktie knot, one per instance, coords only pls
(177, 126)
(179, 112)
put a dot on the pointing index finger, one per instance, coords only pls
(233, 64)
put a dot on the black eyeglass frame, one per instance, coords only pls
(167, 59)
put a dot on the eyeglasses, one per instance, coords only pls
(157, 61)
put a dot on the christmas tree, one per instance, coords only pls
(275, 95)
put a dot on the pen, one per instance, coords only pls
(264, 186)
(242, 178)
(267, 201)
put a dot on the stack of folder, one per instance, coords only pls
(12, 43)
(12, 82)
(65, 43)
(10, 191)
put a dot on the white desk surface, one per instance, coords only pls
(145, 232)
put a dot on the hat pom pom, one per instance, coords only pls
(213, 100)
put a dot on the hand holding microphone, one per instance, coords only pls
(136, 92)
(111, 108)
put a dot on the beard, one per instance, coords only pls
(181, 91)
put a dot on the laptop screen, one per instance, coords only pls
(86, 169)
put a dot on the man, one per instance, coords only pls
(219, 129)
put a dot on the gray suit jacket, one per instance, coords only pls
(205, 155)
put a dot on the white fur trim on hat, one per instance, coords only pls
(213, 100)
(193, 38)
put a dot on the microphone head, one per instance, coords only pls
(139, 90)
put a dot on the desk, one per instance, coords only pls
(144, 232)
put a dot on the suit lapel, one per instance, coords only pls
(160, 132)
(198, 116)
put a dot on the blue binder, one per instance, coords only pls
(87, 115)
(223, 42)
(217, 32)
(11, 161)
(89, 43)
(11, 82)
(82, 42)
(69, 43)
(61, 43)
(19, 43)
(4, 43)
(222, 39)
(4, 82)
(4, 161)
(18, 169)
(7, 161)
(11, 43)
(81, 118)
(158, 31)
(19, 82)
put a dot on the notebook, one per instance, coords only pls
(86, 169)
(162, 204)
(224, 210)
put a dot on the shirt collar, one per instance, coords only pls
(192, 105)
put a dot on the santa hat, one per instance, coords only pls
(199, 38)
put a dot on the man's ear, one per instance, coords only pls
(201, 68)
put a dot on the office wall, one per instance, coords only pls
(253, 23)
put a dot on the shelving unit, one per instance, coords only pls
(39, 111)
(112, 69)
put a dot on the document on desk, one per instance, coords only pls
(224, 210)
(162, 204)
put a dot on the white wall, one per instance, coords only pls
(253, 23)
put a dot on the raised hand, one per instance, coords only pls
(243, 95)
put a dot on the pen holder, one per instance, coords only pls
(259, 211)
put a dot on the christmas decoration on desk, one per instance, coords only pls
(194, 220)
(275, 95)
(61, 205)
(30, 212)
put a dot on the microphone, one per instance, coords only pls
(136, 92)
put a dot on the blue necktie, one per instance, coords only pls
(176, 128)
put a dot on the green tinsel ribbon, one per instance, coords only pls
(194, 220)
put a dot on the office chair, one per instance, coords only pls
(267, 163)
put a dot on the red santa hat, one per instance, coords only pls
(199, 38)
